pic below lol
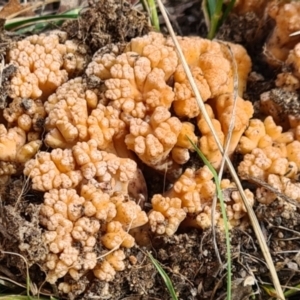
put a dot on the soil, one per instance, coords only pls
(189, 257)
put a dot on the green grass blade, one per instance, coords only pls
(227, 11)
(211, 7)
(164, 276)
(205, 13)
(215, 16)
(150, 7)
(224, 215)
(14, 297)
(215, 12)
(21, 22)
(292, 291)
(20, 297)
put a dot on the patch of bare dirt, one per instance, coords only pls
(20, 233)
(107, 21)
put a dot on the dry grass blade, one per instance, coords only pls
(227, 141)
(252, 216)
(232, 117)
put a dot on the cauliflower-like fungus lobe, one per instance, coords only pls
(289, 79)
(98, 204)
(193, 188)
(72, 219)
(167, 214)
(135, 85)
(67, 168)
(15, 150)
(268, 150)
(43, 64)
(104, 126)
(136, 80)
(221, 121)
(138, 83)
(155, 47)
(270, 155)
(128, 212)
(283, 185)
(190, 202)
(112, 171)
(287, 18)
(211, 66)
(152, 141)
(116, 236)
(27, 114)
(113, 262)
(6, 170)
(53, 170)
(63, 215)
(235, 209)
(68, 111)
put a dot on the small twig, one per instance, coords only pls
(271, 189)
(284, 228)
(250, 238)
(217, 285)
(254, 258)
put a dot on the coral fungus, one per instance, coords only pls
(139, 111)
(286, 16)
(191, 198)
(43, 63)
(270, 155)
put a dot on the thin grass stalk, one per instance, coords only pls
(252, 216)
(227, 12)
(21, 26)
(215, 15)
(224, 215)
(164, 276)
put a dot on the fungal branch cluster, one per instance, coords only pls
(83, 145)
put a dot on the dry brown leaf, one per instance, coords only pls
(12, 7)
